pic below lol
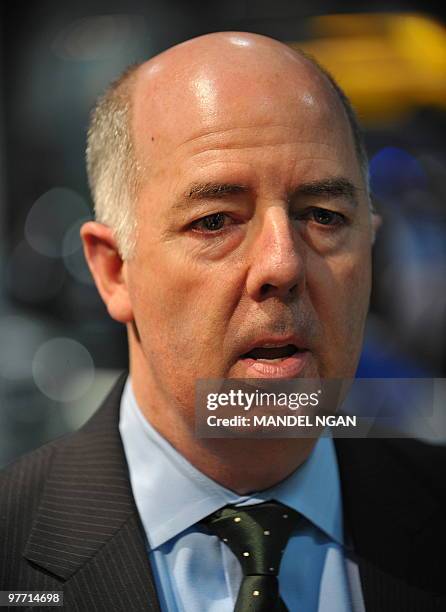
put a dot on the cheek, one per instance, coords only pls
(182, 305)
(339, 290)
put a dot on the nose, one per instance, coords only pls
(277, 266)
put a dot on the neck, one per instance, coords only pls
(241, 465)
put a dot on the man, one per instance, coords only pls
(233, 238)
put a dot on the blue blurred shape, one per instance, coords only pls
(393, 171)
(374, 363)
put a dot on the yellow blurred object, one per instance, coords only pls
(388, 64)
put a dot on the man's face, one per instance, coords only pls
(254, 234)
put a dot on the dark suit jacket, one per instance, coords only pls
(68, 521)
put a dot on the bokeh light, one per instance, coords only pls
(50, 218)
(20, 338)
(63, 369)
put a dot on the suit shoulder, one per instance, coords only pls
(22, 479)
(426, 461)
(22, 483)
(409, 461)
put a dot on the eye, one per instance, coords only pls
(322, 216)
(210, 223)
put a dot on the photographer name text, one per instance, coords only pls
(291, 420)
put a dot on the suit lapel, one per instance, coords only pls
(87, 517)
(386, 513)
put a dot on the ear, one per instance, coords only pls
(108, 269)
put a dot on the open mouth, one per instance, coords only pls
(274, 360)
(271, 354)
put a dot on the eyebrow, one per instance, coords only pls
(331, 187)
(201, 191)
(337, 187)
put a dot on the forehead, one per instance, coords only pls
(237, 97)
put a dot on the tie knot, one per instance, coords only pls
(257, 535)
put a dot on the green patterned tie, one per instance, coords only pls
(257, 535)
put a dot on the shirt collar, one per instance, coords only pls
(172, 495)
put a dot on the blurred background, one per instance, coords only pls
(59, 351)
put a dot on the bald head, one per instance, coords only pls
(193, 89)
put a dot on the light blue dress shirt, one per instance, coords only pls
(195, 571)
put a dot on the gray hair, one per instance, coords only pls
(112, 166)
(113, 169)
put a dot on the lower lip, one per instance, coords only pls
(287, 368)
